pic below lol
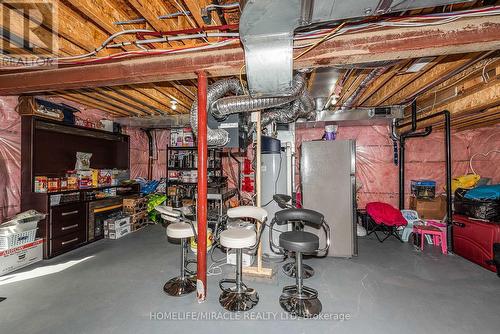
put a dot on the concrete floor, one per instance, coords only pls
(389, 288)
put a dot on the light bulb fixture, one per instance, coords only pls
(173, 104)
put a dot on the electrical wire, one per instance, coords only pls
(323, 34)
(321, 40)
(226, 6)
(482, 154)
(242, 83)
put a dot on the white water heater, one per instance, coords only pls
(273, 181)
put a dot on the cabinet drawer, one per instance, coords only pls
(67, 219)
(67, 242)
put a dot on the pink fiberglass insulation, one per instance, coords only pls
(161, 140)
(425, 158)
(376, 170)
(139, 152)
(10, 158)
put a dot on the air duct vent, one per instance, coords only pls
(267, 29)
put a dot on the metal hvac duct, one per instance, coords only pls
(267, 28)
(382, 115)
(220, 106)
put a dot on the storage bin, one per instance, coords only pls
(11, 240)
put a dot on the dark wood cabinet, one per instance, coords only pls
(48, 148)
(66, 219)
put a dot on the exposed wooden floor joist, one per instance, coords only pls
(465, 35)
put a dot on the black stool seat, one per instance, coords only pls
(299, 241)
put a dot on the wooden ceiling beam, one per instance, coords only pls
(195, 9)
(80, 31)
(479, 117)
(104, 13)
(150, 10)
(116, 103)
(477, 98)
(437, 72)
(41, 36)
(446, 94)
(188, 91)
(380, 82)
(91, 102)
(74, 29)
(171, 93)
(145, 99)
(398, 82)
(483, 67)
(122, 100)
(488, 116)
(351, 86)
(477, 126)
(471, 34)
(154, 94)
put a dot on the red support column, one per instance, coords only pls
(201, 280)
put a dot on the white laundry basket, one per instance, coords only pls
(11, 240)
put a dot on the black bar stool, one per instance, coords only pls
(290, 268)
(298, 299)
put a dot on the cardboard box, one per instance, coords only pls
(115, 224)
(118, 233)
(246, 259)
(19, 257)
(134, 205)
(429, 208)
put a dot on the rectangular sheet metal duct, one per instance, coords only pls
(267, 29)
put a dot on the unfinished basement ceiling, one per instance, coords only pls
(450, 81)
(85, 24)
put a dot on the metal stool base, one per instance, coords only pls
(290, 269)
(239, 301)
(305, 304)
(179, 286)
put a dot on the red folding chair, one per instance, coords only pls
(386, 218)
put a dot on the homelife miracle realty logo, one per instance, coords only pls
(28, 31)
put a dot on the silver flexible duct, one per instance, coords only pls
(362, 87)
(215, 137)
(301, 107)
(236, 104)
(281, 115)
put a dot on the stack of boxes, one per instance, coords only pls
(137, 209)
(117, 226)
(425, 201)
(182, 137)
(133, 218)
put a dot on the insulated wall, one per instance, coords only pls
(10, 158)
(377, 173)
(139, 152)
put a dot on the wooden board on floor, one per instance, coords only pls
(256, 272)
